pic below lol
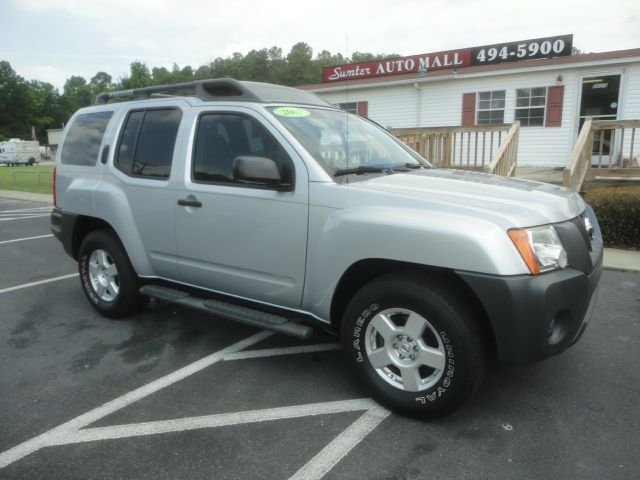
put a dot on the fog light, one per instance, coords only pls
(558, 327)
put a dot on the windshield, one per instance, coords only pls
(344, 143)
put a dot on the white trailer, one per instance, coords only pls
(19, 152)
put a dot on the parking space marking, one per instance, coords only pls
(213, 421)
(73, 431)
(39, 282)
(28, 209)
(56, 435)
(22, 213)
(22, 217)
(271, 352)
(340, 446)
(26, 238)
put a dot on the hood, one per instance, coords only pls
(521, 203)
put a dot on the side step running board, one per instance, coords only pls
(230, 311)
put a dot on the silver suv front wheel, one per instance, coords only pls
(418, 346)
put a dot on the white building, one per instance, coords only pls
(549, 96)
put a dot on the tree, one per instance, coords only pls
(139, 76)
(25, 104)
(45, 108)
(300, 69)
(160, 76)
(100, 82)
(16, 100)
(76, 94)
(368, 57)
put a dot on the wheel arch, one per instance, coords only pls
(84, 225)
(363, 271)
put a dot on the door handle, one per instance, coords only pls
(190, 201)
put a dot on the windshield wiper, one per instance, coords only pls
(362, 170)
(412, 166)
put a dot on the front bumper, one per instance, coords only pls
(534, 317)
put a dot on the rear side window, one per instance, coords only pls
(147, 143)
(82, 143)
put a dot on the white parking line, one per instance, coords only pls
(3, 219)
(26, 238)
(271, 352)
(30, 209)
(212, 421)
(39, 282)
(330, 455)
(73, 431)
(57, 435)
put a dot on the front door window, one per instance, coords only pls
(599, 100)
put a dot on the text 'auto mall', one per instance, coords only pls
(537, 82)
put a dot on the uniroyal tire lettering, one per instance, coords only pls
(447, 378)
(85, 281)
(366, 313)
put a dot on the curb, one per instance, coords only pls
(621, 260)
(26, 196)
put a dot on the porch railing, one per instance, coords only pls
(480, 147)
(606, 148)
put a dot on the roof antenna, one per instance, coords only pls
(346, 39)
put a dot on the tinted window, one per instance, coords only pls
(147, 143)
(223, 137)
(127, 147)
(82, 142)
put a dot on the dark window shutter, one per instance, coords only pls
(555, 97)
(468, 109)
(363, 109)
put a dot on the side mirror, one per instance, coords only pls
(259, 171)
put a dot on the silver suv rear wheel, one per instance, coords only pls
(103, 274)
(106, 275)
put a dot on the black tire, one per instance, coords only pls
(31, 162)
(452, 338)
(111, 301)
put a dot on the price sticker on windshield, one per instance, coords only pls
(291, 112)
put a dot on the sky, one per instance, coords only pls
(50, 40)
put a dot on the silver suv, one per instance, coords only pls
(266, 205)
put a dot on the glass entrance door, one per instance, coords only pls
(599, 100)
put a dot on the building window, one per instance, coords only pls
(351, 107)
(357, 108)
(490, 107)
(530, 106)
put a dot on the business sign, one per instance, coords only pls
(486, 55)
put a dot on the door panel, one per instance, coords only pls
(242, 240)
(599, 100)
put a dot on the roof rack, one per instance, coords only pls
(219, 90)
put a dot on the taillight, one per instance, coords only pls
(55, 200)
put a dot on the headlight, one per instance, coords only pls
(540, 248)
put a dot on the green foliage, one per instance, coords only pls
(24, 105)
(36, 179)
(618, 212)
(15, 96)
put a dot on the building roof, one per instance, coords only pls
(624, 56)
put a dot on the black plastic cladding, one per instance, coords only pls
(222, 89)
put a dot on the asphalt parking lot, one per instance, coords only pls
(173, 393)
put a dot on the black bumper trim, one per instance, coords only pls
(524, 310)
(62, 225)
